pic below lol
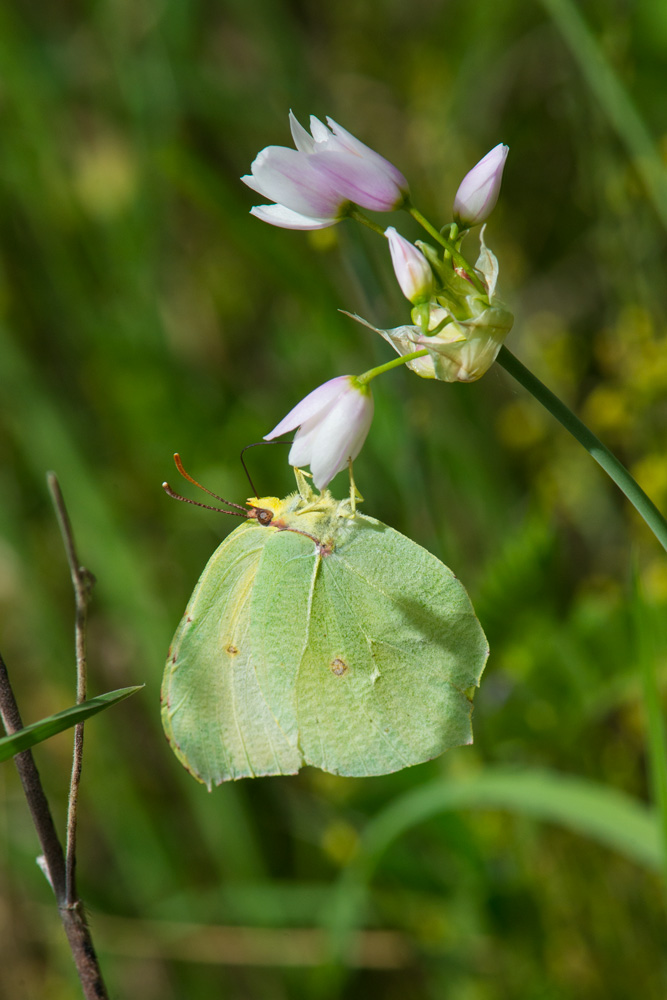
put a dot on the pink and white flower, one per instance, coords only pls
(478, 191)
(333, 422)
(413, 271)
(314, 185)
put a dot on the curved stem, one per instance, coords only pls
(595, 448)
(457, 256)
(356, 214)
(82, 581)
(381, 369)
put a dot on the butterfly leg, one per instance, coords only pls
(354, 492)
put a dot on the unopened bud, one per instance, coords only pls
(413, 271)
(478, 191)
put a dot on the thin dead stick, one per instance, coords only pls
(60, 867)
(82, 581)
(34, 793)
(71, 914)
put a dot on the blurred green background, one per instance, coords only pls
(144, 311)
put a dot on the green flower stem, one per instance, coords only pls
(457, 256)
(358, 216)
(656, 738)
(373, 372)
(611, 465)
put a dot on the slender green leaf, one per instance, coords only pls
(613, 98)
(608, 816)
(37, 732)
(646, 652)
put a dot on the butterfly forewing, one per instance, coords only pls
(214, 714)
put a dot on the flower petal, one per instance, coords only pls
(287, 177)
(303, 140)
(354, 145)
(321, 134)
(285, 218)
(311, 405)
(340, 435)
(358, 180)
(301, 451)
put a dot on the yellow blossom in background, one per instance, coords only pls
(651, 474)
(654, 580)
(105, 175)
(340, 842)
(520, 424)
(607, 410)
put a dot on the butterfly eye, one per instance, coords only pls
(264, 516)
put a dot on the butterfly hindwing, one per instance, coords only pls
(372, 673)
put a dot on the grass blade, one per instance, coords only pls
(613, 99)
(37, 732)
(608, 816)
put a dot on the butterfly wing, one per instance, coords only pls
(388, 649)
(213, 711)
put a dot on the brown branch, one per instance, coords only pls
(82, 581)
(60, 867)
(72, 916)
(34, 793)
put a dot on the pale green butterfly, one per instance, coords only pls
(318, 635)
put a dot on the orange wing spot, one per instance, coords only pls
(338, 667)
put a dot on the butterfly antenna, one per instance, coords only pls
(176, 496)
(220, 510)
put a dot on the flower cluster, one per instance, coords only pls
(458, 321)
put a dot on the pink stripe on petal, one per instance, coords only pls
(355, 145)
(358, 180)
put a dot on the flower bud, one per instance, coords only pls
(462, 334)
(478, 191)
(333, 422)
(413, 271)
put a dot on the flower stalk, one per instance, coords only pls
(457, 257)
(381, 369)
(616, 471)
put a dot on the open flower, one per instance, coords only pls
(314, 185)
(333, 422)
(478, 191)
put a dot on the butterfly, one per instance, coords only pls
(318, 635)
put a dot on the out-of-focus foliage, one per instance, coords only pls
(143, 311)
